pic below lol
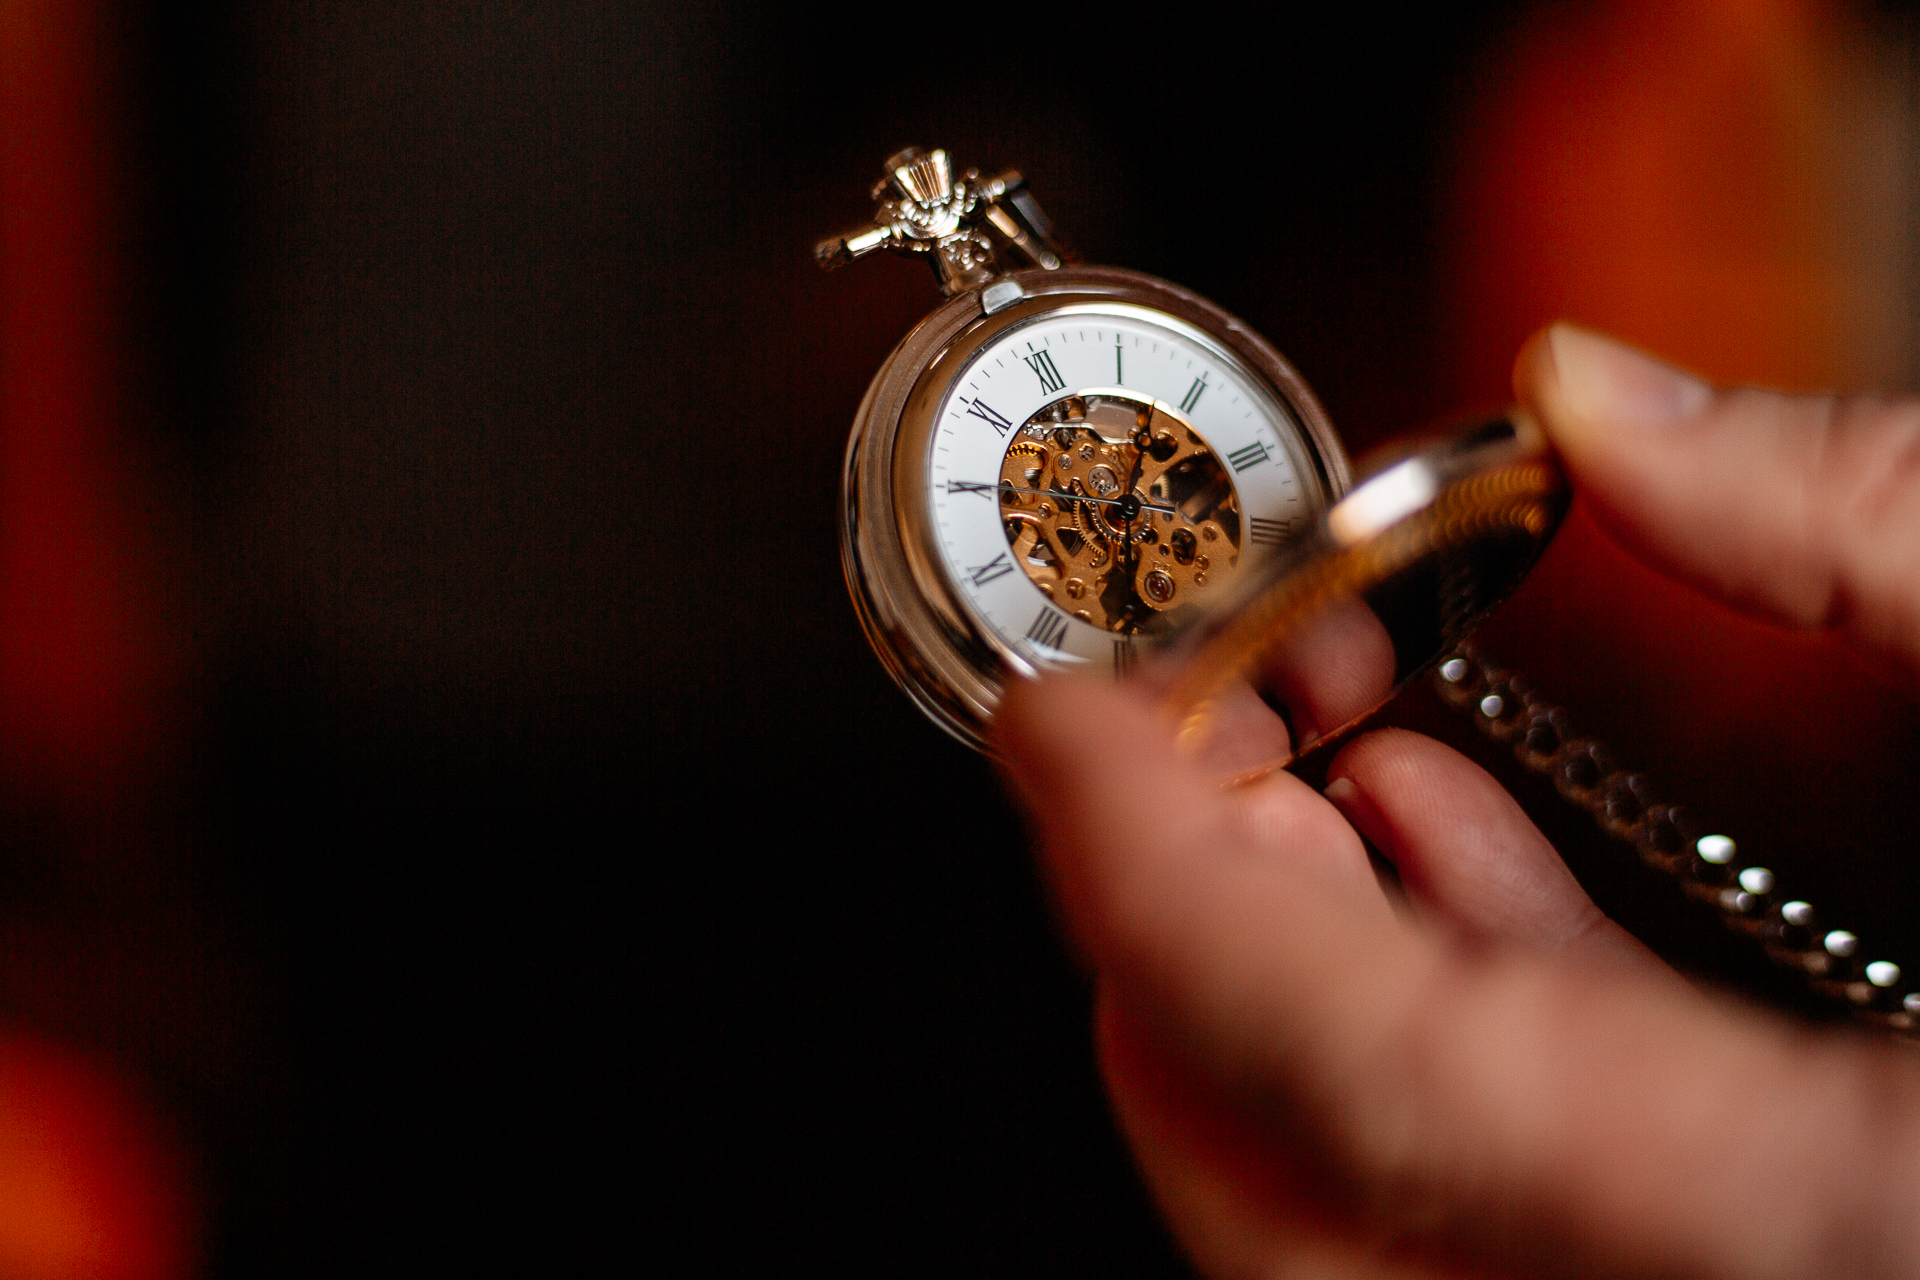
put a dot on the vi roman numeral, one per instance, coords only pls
(982, 574)
(1251, 456)
(1049, 628)
(1194, 393)
(991, 416)
(1041, 362)
(1268, 533)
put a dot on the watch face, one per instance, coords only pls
(1067, 474)
(1099, 472)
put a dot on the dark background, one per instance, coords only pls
(576, 889)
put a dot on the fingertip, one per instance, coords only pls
(1362, 758)
(1465, 850)
(1345, 795)
(1009, 732)
(1031, 725)
(1533, 371)
(1588, 389)
(1074, 747)
(1035, 714)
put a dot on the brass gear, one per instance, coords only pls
(1195, 548)
(1120, 575)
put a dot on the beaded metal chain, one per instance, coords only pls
(1703, 862)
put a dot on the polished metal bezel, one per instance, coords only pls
(915, 617)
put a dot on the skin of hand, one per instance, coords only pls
(1495, 1080)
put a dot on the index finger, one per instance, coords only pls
(1803, 508)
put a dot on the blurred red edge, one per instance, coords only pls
(68, 651)
(88, 1185)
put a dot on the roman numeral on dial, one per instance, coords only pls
(1123, 655)
(991, 416)
(982, 574)
(1251, 456)
(1194, 393)
(1049, 628)
(1119, 365)
(1268, 533)
(1041, 362)
(971, 486)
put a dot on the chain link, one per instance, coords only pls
(1705, 864)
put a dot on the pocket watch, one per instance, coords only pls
(1063, 465)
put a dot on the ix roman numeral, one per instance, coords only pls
(1049, 628)
(982, 574)
(990, 415)
(970, 486)
(1251, 456)
(1041, 362)
(1194, 393)
(1269, 533)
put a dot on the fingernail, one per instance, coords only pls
(1359, 811)
(1607, 383)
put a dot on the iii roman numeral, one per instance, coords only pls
(990, 415)
(1041, 362)
(1123, 655)
(971, 486)
(1269, 533)
(982, 574)
(1049, 628)
(1194, 393)
(1251, 456)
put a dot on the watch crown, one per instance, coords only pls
(961, 222)
(925, 176)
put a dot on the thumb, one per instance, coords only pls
(1803, 508)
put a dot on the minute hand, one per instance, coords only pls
(1081, 497)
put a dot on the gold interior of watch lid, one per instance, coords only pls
(1526, 495)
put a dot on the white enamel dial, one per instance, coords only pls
(1103, 354)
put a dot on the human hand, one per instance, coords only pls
(1498, 1080)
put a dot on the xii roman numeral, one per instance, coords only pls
(1269, 533)
(991, 416)
(1251, 456)
(1123, 655)
(970, 486)
(1049, 628)
(1194, 393)
(1041, 362)
(982, 574)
